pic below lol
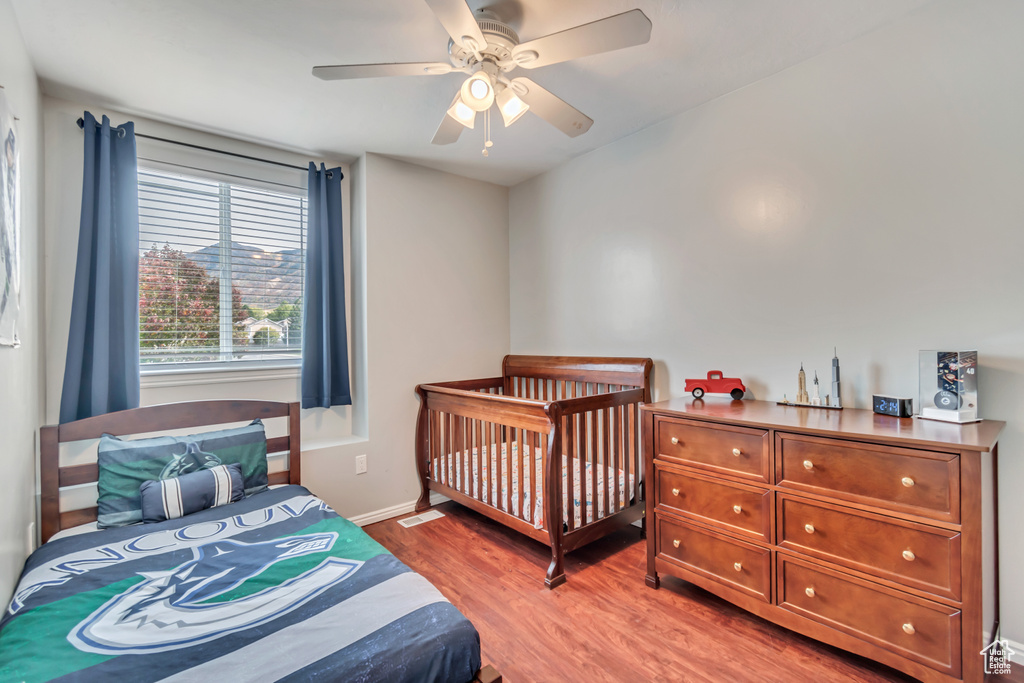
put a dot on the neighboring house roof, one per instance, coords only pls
(252, 325)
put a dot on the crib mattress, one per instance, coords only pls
(533, 495)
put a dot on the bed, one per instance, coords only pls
(273, 587)
(549, 449)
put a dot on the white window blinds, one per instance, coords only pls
(221, 271)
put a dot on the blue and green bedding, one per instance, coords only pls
(276, 587)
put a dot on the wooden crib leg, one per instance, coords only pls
(556, 574)
(423, 452)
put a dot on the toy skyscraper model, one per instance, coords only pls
(836, 396)
(801, 392)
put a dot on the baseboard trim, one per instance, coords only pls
(394, 511)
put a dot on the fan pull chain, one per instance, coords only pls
(487, 133)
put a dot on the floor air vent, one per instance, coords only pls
(419, 519)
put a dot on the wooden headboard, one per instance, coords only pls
(633, 372)
(145, 420)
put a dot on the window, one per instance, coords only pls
(221, 271)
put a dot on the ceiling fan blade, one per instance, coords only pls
(458, 20)
(346, 71)
(555, 111)
(604, 35)
(448, 132)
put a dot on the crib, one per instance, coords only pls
(489, 445)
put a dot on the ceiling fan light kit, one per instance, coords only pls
(486, 49)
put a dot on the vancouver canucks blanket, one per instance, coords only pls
(276, 587)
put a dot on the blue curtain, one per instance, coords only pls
(102, 370)
(324, 334)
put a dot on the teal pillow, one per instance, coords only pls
(126, 465)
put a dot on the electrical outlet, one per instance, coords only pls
(360, 464)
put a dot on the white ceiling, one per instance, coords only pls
(242, 68)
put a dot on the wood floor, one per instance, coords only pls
(605, 624)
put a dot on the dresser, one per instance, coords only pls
(871, 533)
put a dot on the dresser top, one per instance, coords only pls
(849, 422)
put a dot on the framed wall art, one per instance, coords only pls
(10, 226)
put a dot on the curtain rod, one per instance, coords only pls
(81, 124)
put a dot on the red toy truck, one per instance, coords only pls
(716, 384)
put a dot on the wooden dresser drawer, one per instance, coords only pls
(724, 449)
(741, 509)
(924, 483)
(739, 565)
(915, 555)
(924, 631)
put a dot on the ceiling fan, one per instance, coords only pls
(486, 49)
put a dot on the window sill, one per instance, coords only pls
(181, 376)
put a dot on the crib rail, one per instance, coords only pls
(599, 436)
(483, 449)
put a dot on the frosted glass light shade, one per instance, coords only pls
(477, 92)
(461, 113)
(510, 106)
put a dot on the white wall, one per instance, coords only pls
(869, 199)
(437, 308)
(21, 369)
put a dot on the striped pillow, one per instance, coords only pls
(180, 496)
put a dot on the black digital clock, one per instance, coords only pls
(891, 405)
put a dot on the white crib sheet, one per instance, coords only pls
(499, 485)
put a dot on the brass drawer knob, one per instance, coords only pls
(809, 528)
(737, 509)
(675, 543)
(737, 566)
(675, 441)
(675, 492)
(737, 452)
(809, 592)
(907, 481)
(909, 556)
(909, 629)
(808, 465)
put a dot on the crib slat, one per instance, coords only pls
(485, 476)
(633, 451)
(583, 453)
(446, 446)
(624, 452)
(507, 473)
(594, 455)
(479, 454)
(468, 458)
(541, 445)
(605, 460)
(432, 444)
(518, 466)
(570, 517)
(615, 429)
